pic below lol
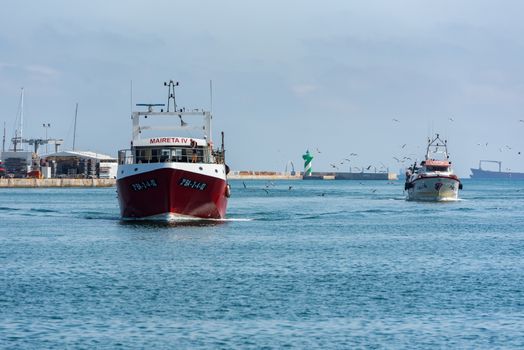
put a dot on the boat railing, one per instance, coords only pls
(127, 156)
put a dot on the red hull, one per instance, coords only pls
(172, 191)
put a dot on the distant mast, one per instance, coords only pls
(3, 141)
(18, 132)
(74, 128)
(21, 117)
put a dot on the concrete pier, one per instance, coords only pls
(43, 183)
(273, 175)
(262, 175)
(351, 176)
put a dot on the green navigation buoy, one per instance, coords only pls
(307, 163)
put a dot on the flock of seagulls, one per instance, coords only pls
(270, 184)
(267, 186)
(400, 160)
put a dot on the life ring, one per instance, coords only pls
(228, 191)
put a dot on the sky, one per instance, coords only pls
(335, 77)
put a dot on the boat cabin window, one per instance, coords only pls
(437, 168)
(170, 154)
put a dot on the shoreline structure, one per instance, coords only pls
(233, 175)
(274, 175)
(52, 183)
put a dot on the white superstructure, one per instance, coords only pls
(433, 179)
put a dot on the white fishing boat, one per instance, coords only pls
(433, 179)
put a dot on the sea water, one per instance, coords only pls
(299, 264)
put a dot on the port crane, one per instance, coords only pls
(37, 142)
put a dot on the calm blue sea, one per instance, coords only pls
(300, 264)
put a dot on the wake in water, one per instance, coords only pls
(443, 200)
(178, 220)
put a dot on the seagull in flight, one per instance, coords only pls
(404, 145)
(451, 119)
(396, 120)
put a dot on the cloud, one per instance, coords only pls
(41, 70)
(302, 90)
(4, 65)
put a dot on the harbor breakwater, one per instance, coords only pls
(36, 183)
(234, 175)
(262, 175)
(273, 175)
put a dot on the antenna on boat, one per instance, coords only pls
(223, 149)
(150, 106)
(131, 97)
(74, 128)
(211, 95)
(171, 92)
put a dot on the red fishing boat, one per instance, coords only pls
(175, 176)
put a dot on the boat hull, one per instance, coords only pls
(167, 192)
(433, 189)
(488, 174)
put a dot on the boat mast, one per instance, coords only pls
(209, 134)
(18, 131)
(3, 141)
(223, 149)
(211, 96)
(171, 92)
(437, 146)
(74, 128)
(21, 117)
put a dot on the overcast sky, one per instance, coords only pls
(328, 76)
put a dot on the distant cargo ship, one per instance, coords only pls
(490, 174)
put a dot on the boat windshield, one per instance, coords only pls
(437, 168)
(171, 154)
